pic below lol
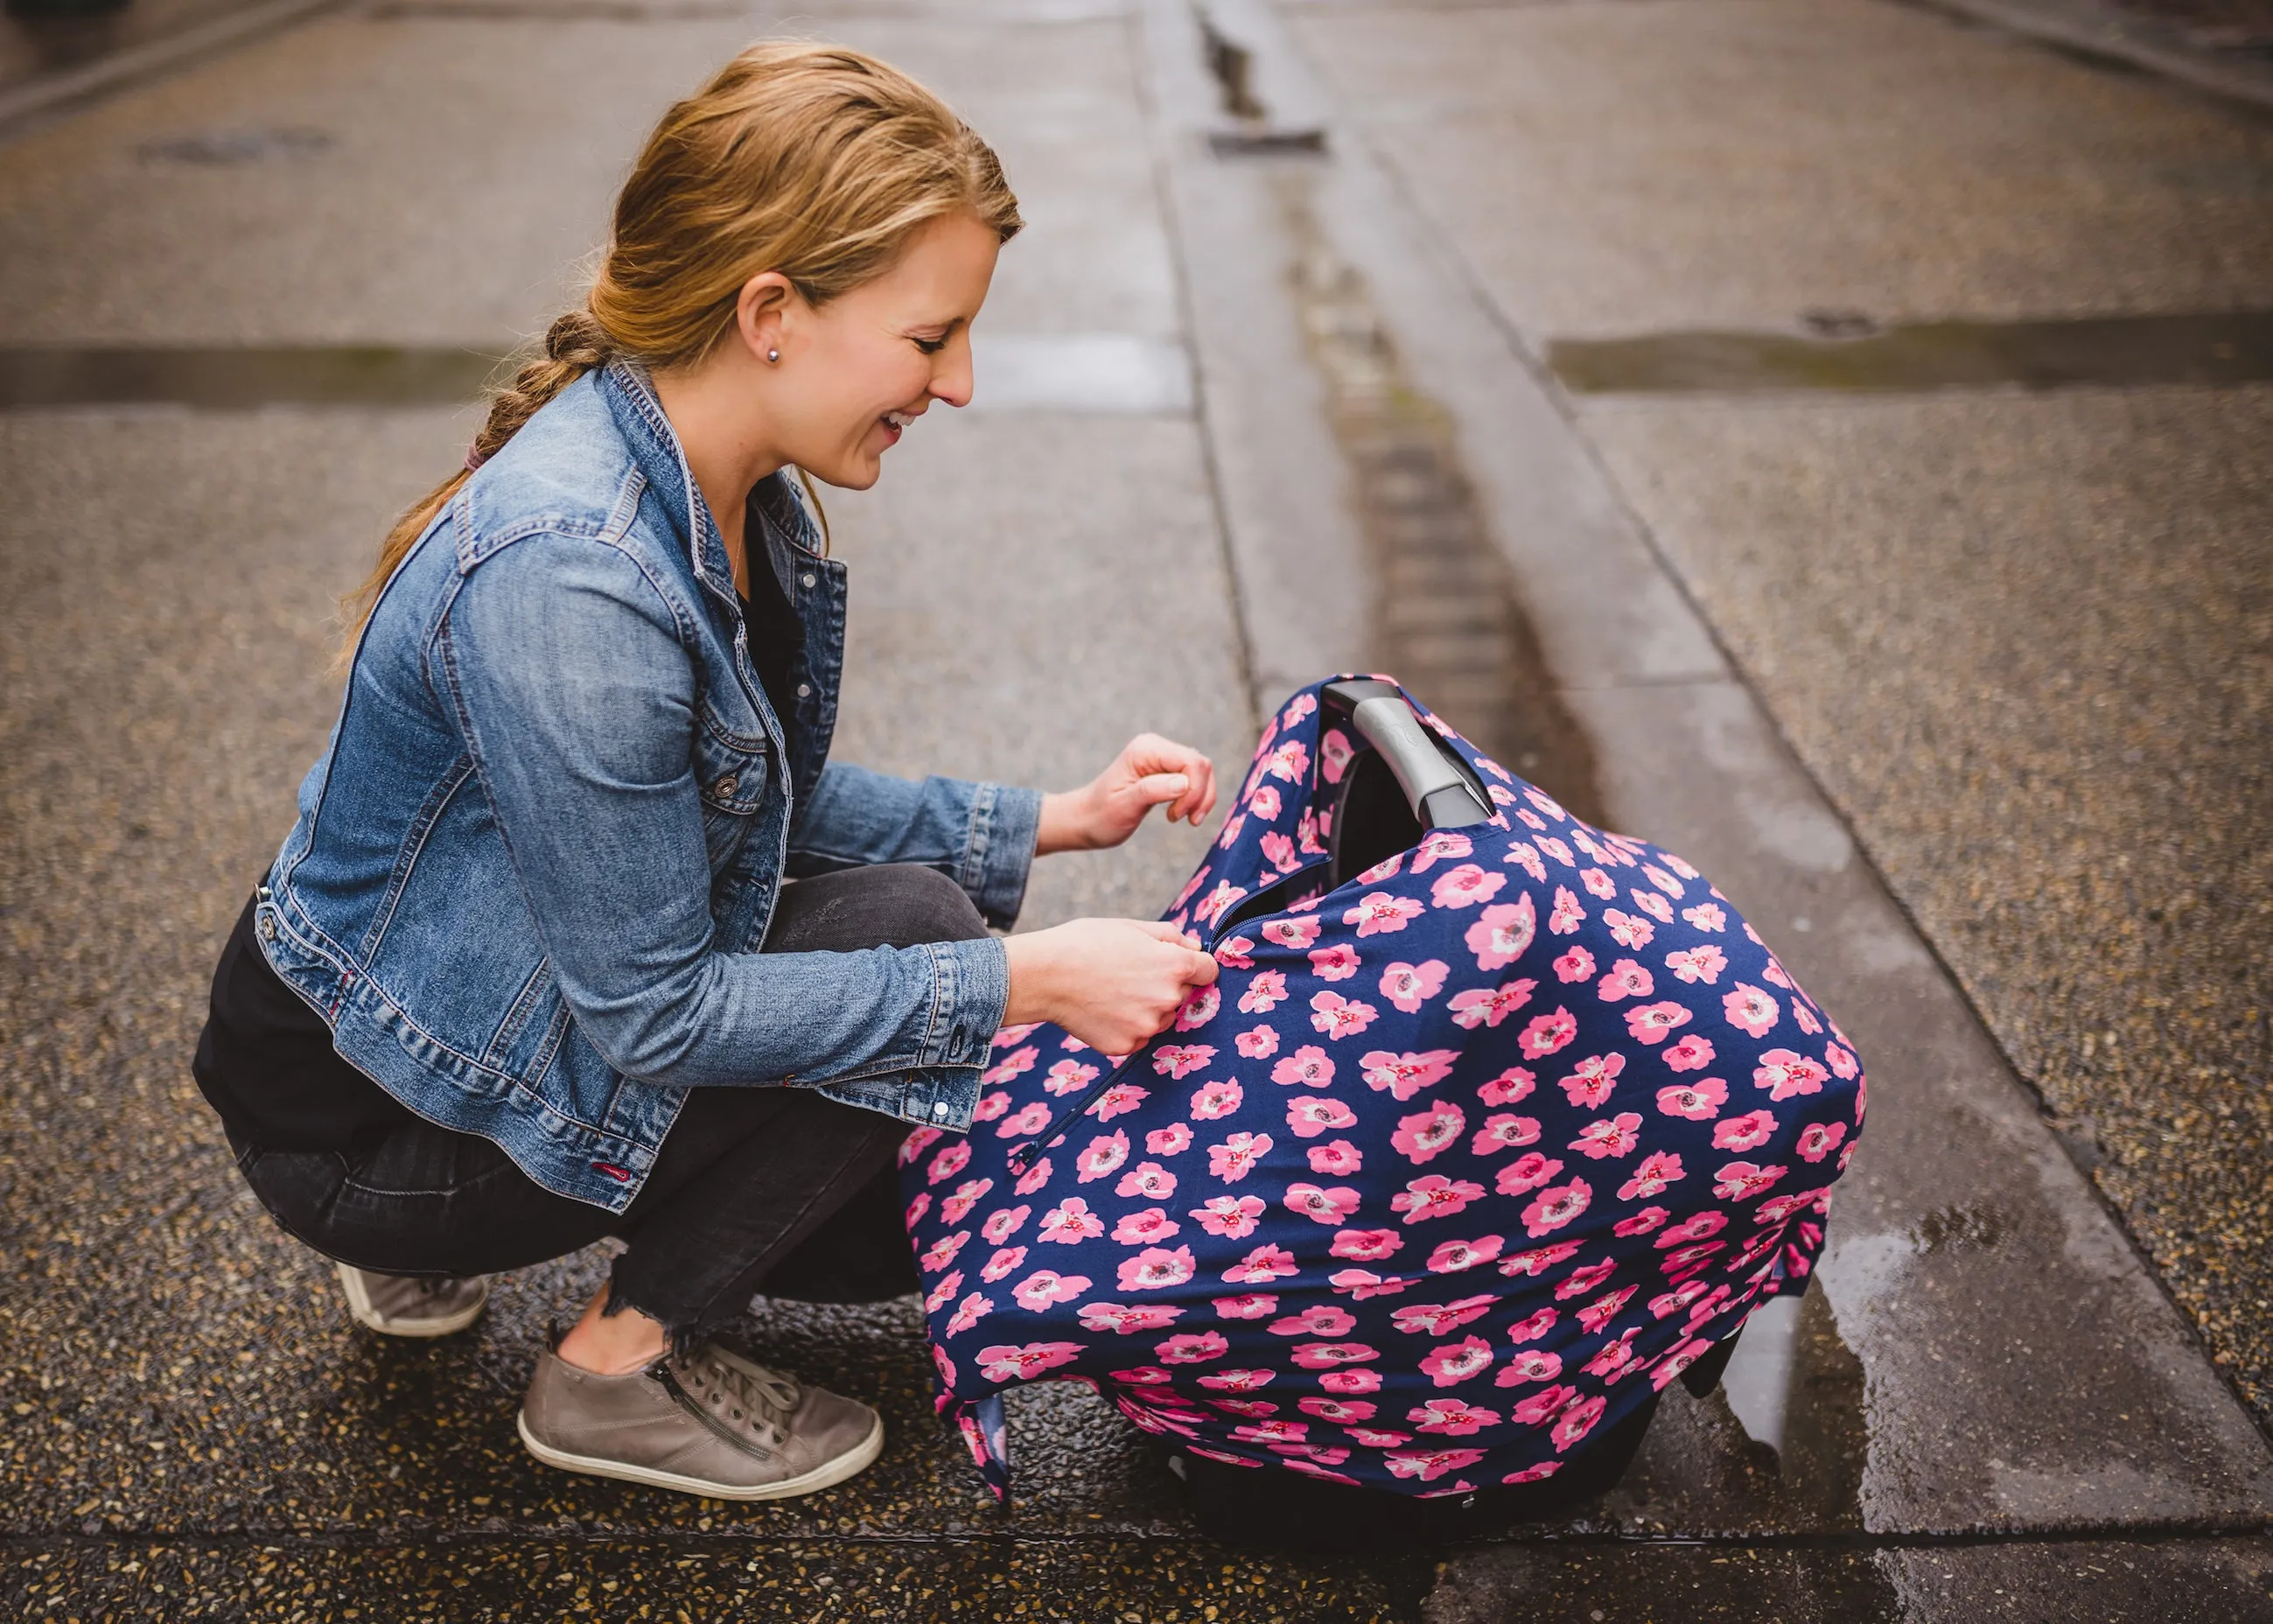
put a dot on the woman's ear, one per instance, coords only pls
(760, 315)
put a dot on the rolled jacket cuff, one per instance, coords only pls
(999, 855)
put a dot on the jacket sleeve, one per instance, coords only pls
(981, 836)
(566, 672)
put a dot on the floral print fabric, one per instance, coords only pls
(1453, 1165)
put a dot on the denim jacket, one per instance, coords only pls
(530, 874)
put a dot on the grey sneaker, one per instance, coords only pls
(413, 1305)
(713, 1423)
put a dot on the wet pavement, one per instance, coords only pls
(1271, 405)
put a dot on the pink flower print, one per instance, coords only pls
(1181, 1060)
(1502, 933)
(1148, 1224)
(1261, 1266)
(1604, 1309)
(1192, 1348)
(917, 1143)
(918, 1207)
(1337, 963)
(1010, 1037)
(1106, 1154)
(1149, 1376)
(1334, 752)
(1325, 1356)
(1706, 916)
(1003, 1223)
(1200, 1008)
(1530, 1364)
(1405, 1075)
(1540, 1259)
(1119, 1100)
(1071, 1222)
(1453, 1257)
(1699, 1101)
(1626, 930)
(1233, 952)
(1509, 1087)
(990, 1107)
(1749, 1009)
(1032, 1118)
(1432, 1195)
(1692, 1053)
(1355, 1379)
(950, 1162)
(1430, 1464)
(1784, 1206)
(1600, 884)
(1527, 1171)
(1453, 1363)
(968, 1313)
(1424, 1134)
(1614, 1359)
(1235, 1158)
(1643, 1221)
(1068, 1077)
(1247, 1305)
(1753, 1129)
(1263, 994)
(1291, 933)
(1656, 907)
(1043, 1286)
(1363, 1283)
(1376, 913)
(1011, 1065)
(1581, 1280)
(1567, 915)
(1037, 1175)
(1025, 1361)
(1593, 1080)
(1674, 1301)
(1306, 834)
(943, 1293)
(1260, 1043)
(1215, 1101)
(1696, 1226)
(1336, 1158)
(1612, 1136)
(942, 1252)
(1234, 1216)
(1698, 964)
(1409, 985)
(1503, 1131)
(1679, 1360)
(1337, 1410)
(1652, 1022)
(1660, 878)
(1321, 1206)
(1522, 854)
(1310, 1115)
(1843, 1065)
(1263, 804)
(1532, 1329)
(1464, 887)
(1626, 979)
(1308, 1066)
(1003, 1262)
(1546, 1034)
(1385, 869)
(1319, 1320)
(957, 1206)
(1441, 1318)
(1128, 1320)
(1455, 1418)
(1804, 1016)
(1553, 847)
(1289, 761)
(1576, 1422)
(1784, 1074)
(1575, 966)
(1155, 1268)
(1544, 1405)
(1740, 1181)
(1367, 1246)
(1556, 1206)
(1479, 1008)
(1338, 1017)
(1232, 825)
(1440, 845)
(1299, 707)
(1167, 1141)
(1149, 1178)
(1818, 1139)
(1279, 852)
(1191, 886)
(1659, 1169)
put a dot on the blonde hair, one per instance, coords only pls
(814, 161)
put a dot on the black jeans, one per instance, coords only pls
(766, 1187)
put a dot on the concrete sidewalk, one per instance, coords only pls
(1260, 415)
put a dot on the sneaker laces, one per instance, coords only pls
(746, 1393)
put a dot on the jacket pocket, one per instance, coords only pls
(730, 770)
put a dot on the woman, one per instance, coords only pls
(576, 935)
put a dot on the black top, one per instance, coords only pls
(266, 1061)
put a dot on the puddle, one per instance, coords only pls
(1845, 351)
(1962, 1228)
(240, 379)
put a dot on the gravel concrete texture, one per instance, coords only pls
(2060, 599)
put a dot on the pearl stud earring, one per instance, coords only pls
(773, 355)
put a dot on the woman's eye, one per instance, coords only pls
(931, 346)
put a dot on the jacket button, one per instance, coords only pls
(727, 786)
(266, 928)
(940, 1109)
(804, 691)
(807, 577)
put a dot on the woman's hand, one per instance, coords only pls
(1114, 983)
(1107, 810)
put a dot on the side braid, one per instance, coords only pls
(573, 345)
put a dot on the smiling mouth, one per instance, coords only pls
(896, 424)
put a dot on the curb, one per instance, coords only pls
(22, 103)
(2113, 35)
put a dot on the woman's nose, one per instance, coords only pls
(952, 380)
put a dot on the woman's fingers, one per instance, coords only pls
(1153, 758)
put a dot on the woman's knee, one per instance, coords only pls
(891, 905)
